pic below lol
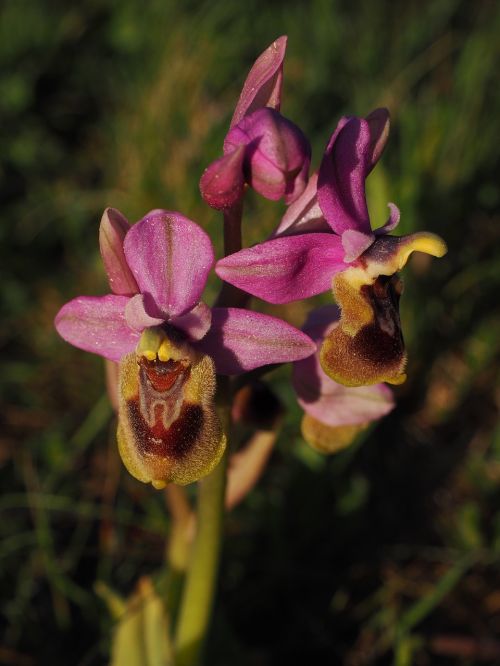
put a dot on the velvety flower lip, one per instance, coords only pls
(166, 258)
(367, 346)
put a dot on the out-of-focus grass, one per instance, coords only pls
(383, 554)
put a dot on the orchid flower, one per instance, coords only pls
(334, 414)
(170, 345)
(327, 242)
(262, 148)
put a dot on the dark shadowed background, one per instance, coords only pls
(386, 553)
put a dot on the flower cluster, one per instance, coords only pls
(171, 346)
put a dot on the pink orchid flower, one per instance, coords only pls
(262, 148)
(325, 241)
(170, 345)
(334, 414)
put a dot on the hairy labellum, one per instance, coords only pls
(168, 429)
(367, 346)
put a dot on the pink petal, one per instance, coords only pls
(194, 323)
(379, 123)
(138, 316)
(263, 83)
(304, 214)
(170, 257)
(295, 186)
(222, 183)
(392, 222)
(342, 175)
(285, 269)
(240, 340)
(112, 232)
(355, 243)
(334, 404)
(97, 324)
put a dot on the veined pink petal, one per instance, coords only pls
(342, 175)
(263, 83)
(170, 257)
(285, 269)
(97, 324)
(240, 340)
(114, 227)
(324, 399)
(194, 323)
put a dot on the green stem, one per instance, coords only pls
(198, 596)
(232, 296)
(177, 555)
(201, 577)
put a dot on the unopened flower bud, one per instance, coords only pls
(277, 154)
(222, 183)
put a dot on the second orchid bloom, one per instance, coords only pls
(326, 242)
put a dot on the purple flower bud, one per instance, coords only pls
(277, 155)
(222, 183)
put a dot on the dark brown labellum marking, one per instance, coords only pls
(381, 342)
(173, 442)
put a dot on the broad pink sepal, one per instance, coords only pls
(97, 324)
(286, 269)
(170, 257)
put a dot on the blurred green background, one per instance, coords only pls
(388, 552)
